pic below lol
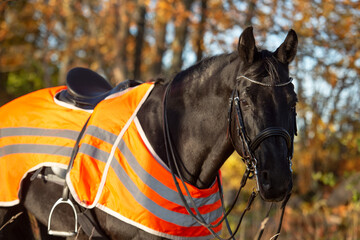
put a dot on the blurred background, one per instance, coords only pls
(40, 40)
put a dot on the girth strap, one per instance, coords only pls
(89, 224)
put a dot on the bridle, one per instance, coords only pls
(248, 148)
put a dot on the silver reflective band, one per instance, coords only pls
(41, 132)
(154, 184)
(35, 148)
(147, 178)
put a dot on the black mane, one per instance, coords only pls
(265, 66)
(212, 62)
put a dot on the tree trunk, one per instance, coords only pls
(157, 52)
(122, 34)
(140, 23)
(201, 31)
(69, 25)
(181, 32)
(4, 96)
(250, 12)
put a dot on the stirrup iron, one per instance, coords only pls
(63, 200)
(65, 195)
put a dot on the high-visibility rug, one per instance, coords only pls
(115, 170)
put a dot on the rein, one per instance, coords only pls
(198, 216)
(248, 148)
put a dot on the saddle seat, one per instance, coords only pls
(86, 88)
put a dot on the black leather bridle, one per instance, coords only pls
(248, 148)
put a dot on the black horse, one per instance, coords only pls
(242, 101)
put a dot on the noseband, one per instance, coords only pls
(249, 146)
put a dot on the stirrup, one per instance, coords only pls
(62, 233)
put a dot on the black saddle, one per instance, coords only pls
(86, 88)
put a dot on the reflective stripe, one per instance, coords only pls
(124, 177)
(157, 186)
(163, 213)
(159, 211)
(163, 190)
(35, 148)
(42, 132)
(101, 134)
(93, 152)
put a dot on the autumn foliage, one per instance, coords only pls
(40, 40)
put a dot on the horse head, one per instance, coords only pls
(263, 104)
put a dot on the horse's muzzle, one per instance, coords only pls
(274, 188)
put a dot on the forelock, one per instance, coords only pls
(266, 66)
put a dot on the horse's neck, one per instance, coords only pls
(197, 114)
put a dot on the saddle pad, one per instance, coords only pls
(115, 170)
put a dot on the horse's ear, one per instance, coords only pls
(246, 47)
(287, 50)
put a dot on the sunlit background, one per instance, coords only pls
(121, 39)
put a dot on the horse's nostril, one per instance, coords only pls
(265, 180)
(273, 187)
(266, 186)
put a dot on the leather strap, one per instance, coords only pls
(75, 150)
(270, 132)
